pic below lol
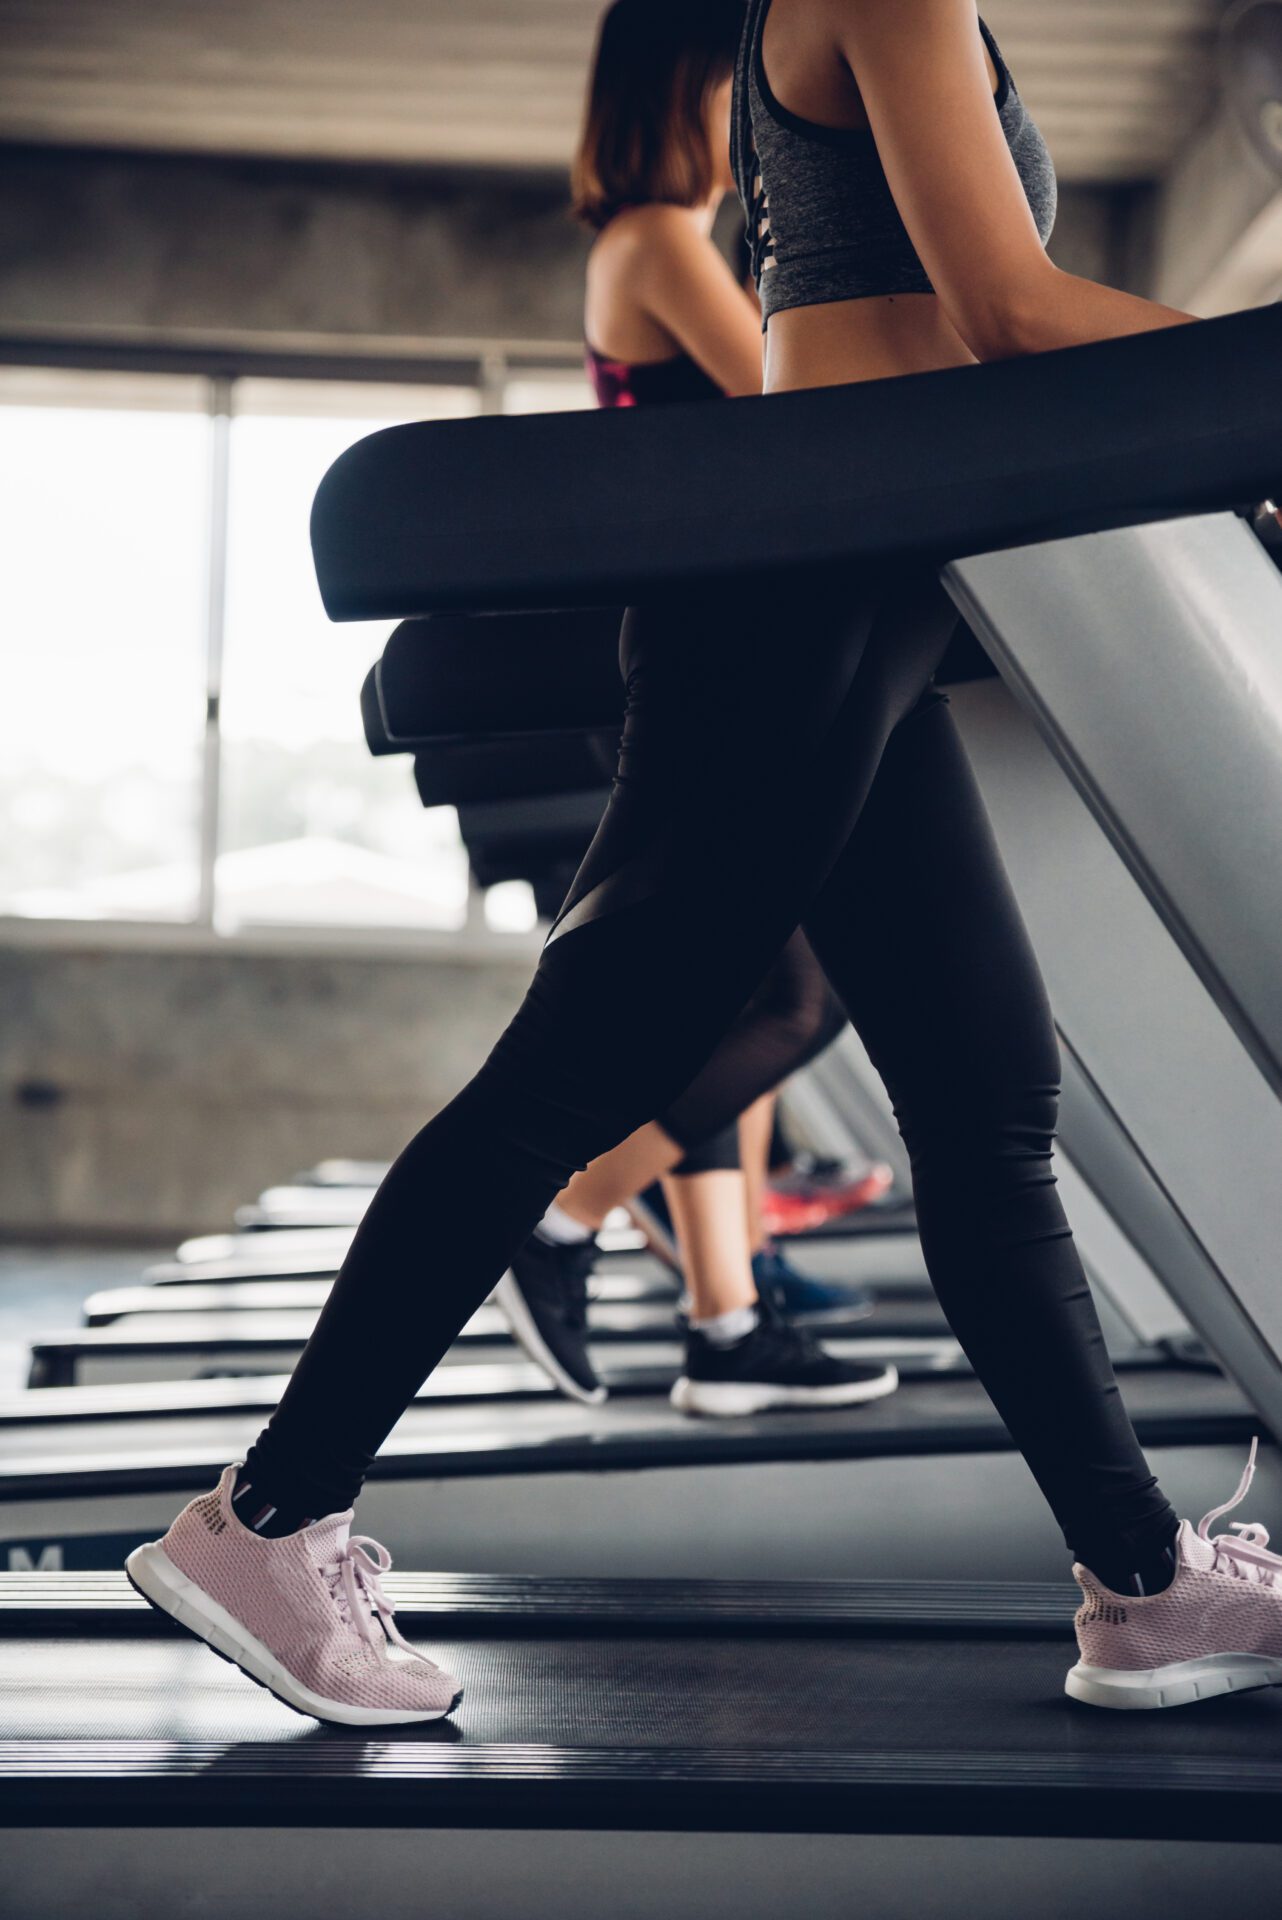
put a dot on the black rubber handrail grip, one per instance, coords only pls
(584, 509)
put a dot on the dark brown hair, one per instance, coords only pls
(644, 136)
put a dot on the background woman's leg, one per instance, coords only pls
(710, 1222)
(792, 1016)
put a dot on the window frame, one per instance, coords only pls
(489, 367)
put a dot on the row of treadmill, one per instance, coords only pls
(789, 1662)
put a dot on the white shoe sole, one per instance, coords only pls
(157, 1579)
(507, 1296)
(1176, 1685)
(723, 1399)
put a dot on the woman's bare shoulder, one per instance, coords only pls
(638, 237)
(655, 223)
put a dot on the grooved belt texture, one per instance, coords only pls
(809, 1694)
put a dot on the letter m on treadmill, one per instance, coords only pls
(50, 1561)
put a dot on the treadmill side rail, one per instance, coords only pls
(1151, 658)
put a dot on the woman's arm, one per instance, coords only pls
(688, 288)
(920, 68)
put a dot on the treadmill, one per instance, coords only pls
(654, 1746)
(897, 1742)
(493, 1470)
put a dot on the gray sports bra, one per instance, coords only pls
(822, 221)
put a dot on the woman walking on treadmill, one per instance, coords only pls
(900, 198)
(652, 168)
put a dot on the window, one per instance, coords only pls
(103, 588)
(180, 732)
(313, 828)
(561, 392)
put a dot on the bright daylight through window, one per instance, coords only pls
(314, 830)
(161, 762)
(103, 502)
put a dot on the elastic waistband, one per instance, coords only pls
(836, 273)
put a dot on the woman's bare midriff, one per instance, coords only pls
(871, 339)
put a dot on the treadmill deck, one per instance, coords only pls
(859, 1709)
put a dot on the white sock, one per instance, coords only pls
(561, 1229)
(727, 1329)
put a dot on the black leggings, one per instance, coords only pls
(786, 760)
(793, 1015)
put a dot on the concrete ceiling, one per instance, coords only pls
(1117, 85)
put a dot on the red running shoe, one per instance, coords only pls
(811, 1203)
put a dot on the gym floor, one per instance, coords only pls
(43, 1290)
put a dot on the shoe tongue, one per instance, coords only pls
(580, 1262)
(572, 1284)
(1195, 1552)
(332, 1531)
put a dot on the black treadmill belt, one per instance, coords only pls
(819, 1693)
(944, 1732)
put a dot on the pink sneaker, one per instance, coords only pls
(304, 1616)
(1216, 1629)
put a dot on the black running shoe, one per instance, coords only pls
(776, 1365)
(544, 1299)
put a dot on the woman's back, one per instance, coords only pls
(664, 318)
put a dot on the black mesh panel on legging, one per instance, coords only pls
(763, 784)
(792, 1016)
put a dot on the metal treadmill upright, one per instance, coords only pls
(1150, 659)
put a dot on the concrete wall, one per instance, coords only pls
(168, 251)
(163, 249)
(152, 1092)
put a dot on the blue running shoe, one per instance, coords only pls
(800, 1297)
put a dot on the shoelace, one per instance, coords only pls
(353, 1580)
(1243, 1554)
(781, 1336)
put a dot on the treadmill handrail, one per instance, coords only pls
(584, 509)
